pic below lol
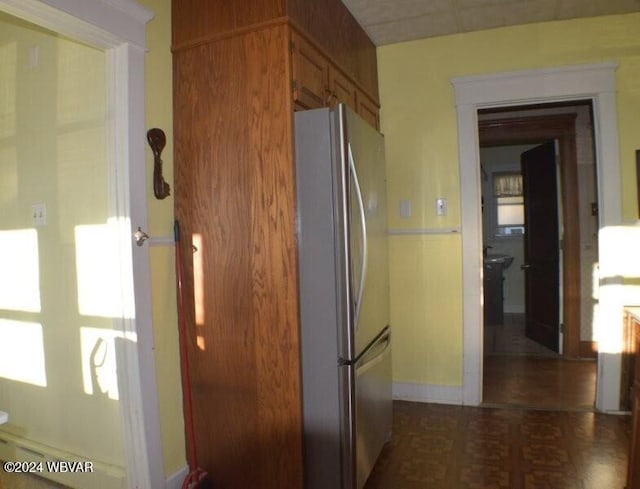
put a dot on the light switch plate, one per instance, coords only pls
(405, 208)
(39, 214)
(441, 207)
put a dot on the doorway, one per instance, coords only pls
(596, 82)
(538, 163)
(75, 304)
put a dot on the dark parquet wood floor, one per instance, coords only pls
(536, 429)
(437, 446)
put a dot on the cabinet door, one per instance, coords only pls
(633, 464)
(368, 110)
(341, 89)
(310, 75)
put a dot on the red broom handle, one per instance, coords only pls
(184, 357)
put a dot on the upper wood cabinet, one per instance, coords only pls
(368, 110)
(318, 82)
(332, 28)
(310, 75)
(341, 89)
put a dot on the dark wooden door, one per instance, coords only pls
(541, 267)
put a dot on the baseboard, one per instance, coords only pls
(438, 394)
(96, 474)
(175, 481)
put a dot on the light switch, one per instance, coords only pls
(405, 208)
(39, 214)
(441, 207)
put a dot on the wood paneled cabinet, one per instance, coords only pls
(310, 75)
(632, 326)
(236, 83)
(317, 82)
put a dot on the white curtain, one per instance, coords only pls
(507, 184)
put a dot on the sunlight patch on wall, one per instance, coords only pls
(20, 278)
(618, 250)
(22, 352)
(623, 243)
(99, 360)
(98, 270)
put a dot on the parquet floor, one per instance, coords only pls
(520, 372)
(437, 446)
(536, 430)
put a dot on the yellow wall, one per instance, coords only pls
(159, 113)
(419, 122)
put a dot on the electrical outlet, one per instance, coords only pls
(39, 214)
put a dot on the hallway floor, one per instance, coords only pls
(520, 372)
(536, 428)
(437, 446)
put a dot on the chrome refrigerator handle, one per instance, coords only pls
(363, 225)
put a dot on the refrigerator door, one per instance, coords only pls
(366, 407)
(366, 232)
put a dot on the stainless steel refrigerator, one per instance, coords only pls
(344, 296)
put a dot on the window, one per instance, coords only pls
(507, 190)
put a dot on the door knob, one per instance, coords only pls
(140, 236)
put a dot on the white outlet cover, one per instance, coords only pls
(39, 214)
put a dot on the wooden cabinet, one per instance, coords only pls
(341, 89)
(317, 82)
(632, 327)
(310, 75)
(493, 294)
(234, 191)
(368, 110)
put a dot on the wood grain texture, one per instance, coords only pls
(310, 74)
(368, 110)
(633, 465)
(342, 89)
(195, 20)
(327, 22)
(330, 25)
(235, 189)
(537, 129)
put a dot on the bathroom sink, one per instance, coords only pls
(503, 259)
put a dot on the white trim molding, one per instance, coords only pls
(437, 394)
(595, 82)
(419, 231)
(175, 480)
(101, 23)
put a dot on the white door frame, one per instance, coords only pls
(119, 28)
(594, 82)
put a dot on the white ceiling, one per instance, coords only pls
(391, 21)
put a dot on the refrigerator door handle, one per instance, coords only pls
(375, 353)
(363, 226)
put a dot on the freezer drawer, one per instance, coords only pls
(373, 406)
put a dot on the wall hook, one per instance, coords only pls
(157, 141)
